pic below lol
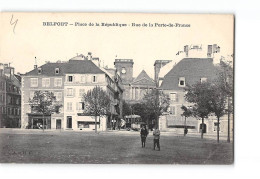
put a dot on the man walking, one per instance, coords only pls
(144, 134)
(156, 140)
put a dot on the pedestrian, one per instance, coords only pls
(144, 134)
(156, 140)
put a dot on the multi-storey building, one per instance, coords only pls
(10, 97)
(48, 77)
(134, 88)
(69, 81)
(187, 72)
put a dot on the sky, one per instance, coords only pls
(24, 37)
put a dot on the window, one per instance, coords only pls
(81, 92)
(94, 79)
(181, 82)
(57, 82)
(39, 70)
(80, 106)
(173, 110)
(58, 96)
(46, 82)
(203, 80)
(173, 97)
(82, 79)
(83, 124)
(69, 106)
(34, 82)
(69, 92)
(216, 126)
(70, 78)
(57, 70)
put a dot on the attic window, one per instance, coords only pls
(203, 80)
(39, 70)
(57, 70)
(70, 78)
(181, 82)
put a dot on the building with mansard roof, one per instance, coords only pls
(187, 72)
(69, 81)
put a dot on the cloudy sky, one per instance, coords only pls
(24, 37)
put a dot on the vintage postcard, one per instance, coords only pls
(116, 88)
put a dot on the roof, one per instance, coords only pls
(192, 69)
(72, 66)
(143, 79)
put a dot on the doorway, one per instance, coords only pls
(69, 122)
(58, 124)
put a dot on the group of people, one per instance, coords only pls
(156, 133)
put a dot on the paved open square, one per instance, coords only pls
(119, 147)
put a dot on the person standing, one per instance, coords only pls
(156, 140)
(144, 134)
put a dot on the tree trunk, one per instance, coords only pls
(43, 122)
(228, 137)
(185, 126)
(202, 128)
(95, 123)
(99, 122)
(218, 130)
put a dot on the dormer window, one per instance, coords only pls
(70, 78)
(182, 82)
(203, 80)
(57, 71)
(39, 70)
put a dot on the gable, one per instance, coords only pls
(144, 81)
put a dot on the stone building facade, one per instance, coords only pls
(69, 81)
(10, 97)
(187, 72)
(134, 88)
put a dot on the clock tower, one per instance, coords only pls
(125, 68)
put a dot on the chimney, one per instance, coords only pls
(89, 56)
(35, 65)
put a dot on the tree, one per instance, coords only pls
(97, 103)
(141, 110)
(222, 90)
(226, 76)
(156, 103)
(218, 103)
(44, 102)
(126, 109)
(200, 94)
(187, 112)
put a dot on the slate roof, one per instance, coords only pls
(193, 69)
(72, 66)
(143, 79)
